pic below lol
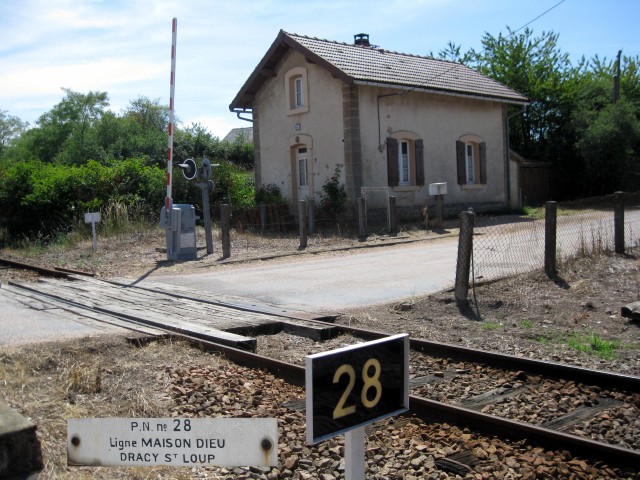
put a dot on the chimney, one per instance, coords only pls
(361, 39)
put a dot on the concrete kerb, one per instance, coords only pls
(452, 232)
(20, 452)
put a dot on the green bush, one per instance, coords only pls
(333, 199)
(233, 185)
(42, 200)
(270, 195)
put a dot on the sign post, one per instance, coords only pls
(354, 386)
(93, 218)
(354, 454)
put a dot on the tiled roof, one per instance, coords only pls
(246, 133)
(373, 65)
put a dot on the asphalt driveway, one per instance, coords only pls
(332, 282)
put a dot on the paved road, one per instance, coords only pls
(21, 324)
(382, 275)
(334, 282)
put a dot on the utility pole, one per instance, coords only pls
(616, 80)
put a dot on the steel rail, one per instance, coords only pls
(437, 412)
(433, 411)
(36, 268)
(60, 272)
(601, 378)
(437, 349)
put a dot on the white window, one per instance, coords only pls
(296, 91)
(302, 167)
(471, 160)
(470, 163)
(299, 98)
(404, 162)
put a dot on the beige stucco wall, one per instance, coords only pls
(322, 124)
(440, 121)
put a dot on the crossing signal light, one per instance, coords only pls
(189, 168)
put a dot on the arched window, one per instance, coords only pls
(296, 91)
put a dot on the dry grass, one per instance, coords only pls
(136, 251)
(104, 377)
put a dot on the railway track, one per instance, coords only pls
(591, 413)
(505, 381)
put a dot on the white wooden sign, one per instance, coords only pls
(92, 217)
(172, 441)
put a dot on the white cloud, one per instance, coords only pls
(123, 46)
(85, 76)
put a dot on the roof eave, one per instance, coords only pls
(522, 101)
(266, 68)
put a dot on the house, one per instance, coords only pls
(392, 123)
(236, 134)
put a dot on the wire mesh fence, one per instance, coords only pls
(275, 228)
(509, 245)
(504, 245)
(327, 223)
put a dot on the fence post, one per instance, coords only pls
(550, 237)
(465, 250)
(263, 217)
(311, 217)
(439, 221)
(362, 219)
(393, 215)
(206, 213)
(302, 220)
(618, 220)
(225, 228)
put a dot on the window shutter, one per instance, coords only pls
(393, 171)
(483, 163)
(419, 162)
(460, 161)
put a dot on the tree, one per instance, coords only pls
(197, 141)
(10, 128)
(65, 133)
(140, 132)
(607, 129)
(452, 53)
(535, 67)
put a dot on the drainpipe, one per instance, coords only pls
(239, 112)
(508, 160)
(380, 145)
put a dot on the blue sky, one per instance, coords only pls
(123, 46)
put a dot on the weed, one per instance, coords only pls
(544, 339)
(491, 325)
(594, 344)
(333, 199)
(527, 324)
(537, 213)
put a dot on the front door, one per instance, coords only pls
(302, 174)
